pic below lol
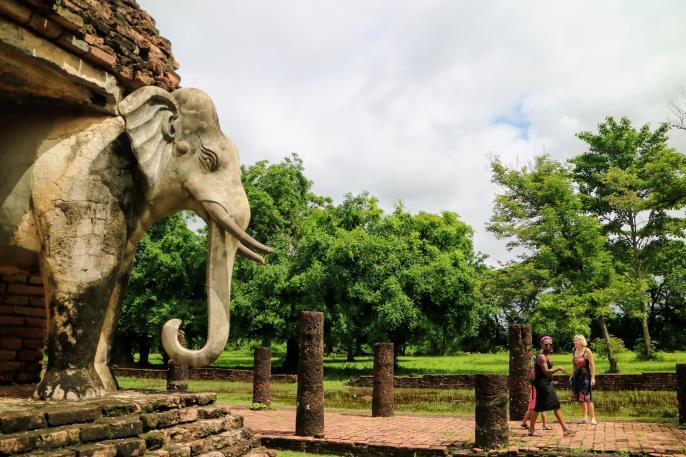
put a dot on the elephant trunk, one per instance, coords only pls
(220, 257)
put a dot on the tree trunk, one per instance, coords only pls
(648, 351)
(350, 355)
(290, 363)
(144, 351)
(610, 352)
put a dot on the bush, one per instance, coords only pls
(600, 348)
(639, 349)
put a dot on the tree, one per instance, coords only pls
(167, 281)
(570, 277)
(266, 304)
(634, 184)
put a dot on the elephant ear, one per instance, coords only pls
(150, 114)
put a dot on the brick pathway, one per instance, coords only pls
(432, 435)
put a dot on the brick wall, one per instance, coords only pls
(22, 328)
(114, 35)
(223, 374)
(613, 382)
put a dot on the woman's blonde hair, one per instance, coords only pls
(582, 339)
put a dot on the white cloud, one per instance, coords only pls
(401, 98)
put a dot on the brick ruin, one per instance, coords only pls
(115, 35)
(22, 328)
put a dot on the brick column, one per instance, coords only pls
(22, 327)
(681, 391)
(309, 418)
(262, 376)
(177, 374)
(382, 396)
(519, 343)
(491, 411)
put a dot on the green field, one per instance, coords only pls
(650, 405)
(336, 367)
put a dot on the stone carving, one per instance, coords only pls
(84, 197)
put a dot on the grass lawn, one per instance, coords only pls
(647, 405)
(336, 367)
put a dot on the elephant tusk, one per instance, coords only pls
(230, 226)
(248, 254)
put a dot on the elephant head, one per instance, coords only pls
(188, 163)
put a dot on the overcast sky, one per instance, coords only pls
(410, 100)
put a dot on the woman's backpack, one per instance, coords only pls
(532, 368)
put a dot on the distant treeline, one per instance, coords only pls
(600, 243)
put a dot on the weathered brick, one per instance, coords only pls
(30, 332)
(33, 367)
(169, 418)
(11, 366)
(28, 311)
(20, 300)
(13, 10)
(11, 320)
(96, 450)
(37, 322)
(7, 355)
(24, 289)
(17, 278)
(35, 280)
(44, 26)
(21, 421)
(120, 428)
(29, 355)
(68, 20)
(17, 444)
(11, 344)
(32, 344)
(213, 412)
(55, 438)
(130, 447)
(72, 414)
(73, 44)
(27, 377)
(102, 58)
(8, 330)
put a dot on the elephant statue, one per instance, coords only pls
(90, 193)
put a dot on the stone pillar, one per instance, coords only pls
(491, 411)
(309, 417)
(262, 376)
(519, 342)
(383, 401)
(681, 391)
(177, 374)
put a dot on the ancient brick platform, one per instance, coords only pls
(127, 423)
(357, 433)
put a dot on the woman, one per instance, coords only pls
(546, 398)
(583, 378)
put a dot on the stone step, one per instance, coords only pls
(165, 419)
(192, 431)
(36, 415)
(240, 438)
(241, 448)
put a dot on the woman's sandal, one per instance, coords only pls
(547, 427)
(569, 433)
(532, 433)
(524, 425)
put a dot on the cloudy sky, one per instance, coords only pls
(409, 100)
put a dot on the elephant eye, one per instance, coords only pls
(209, 157)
